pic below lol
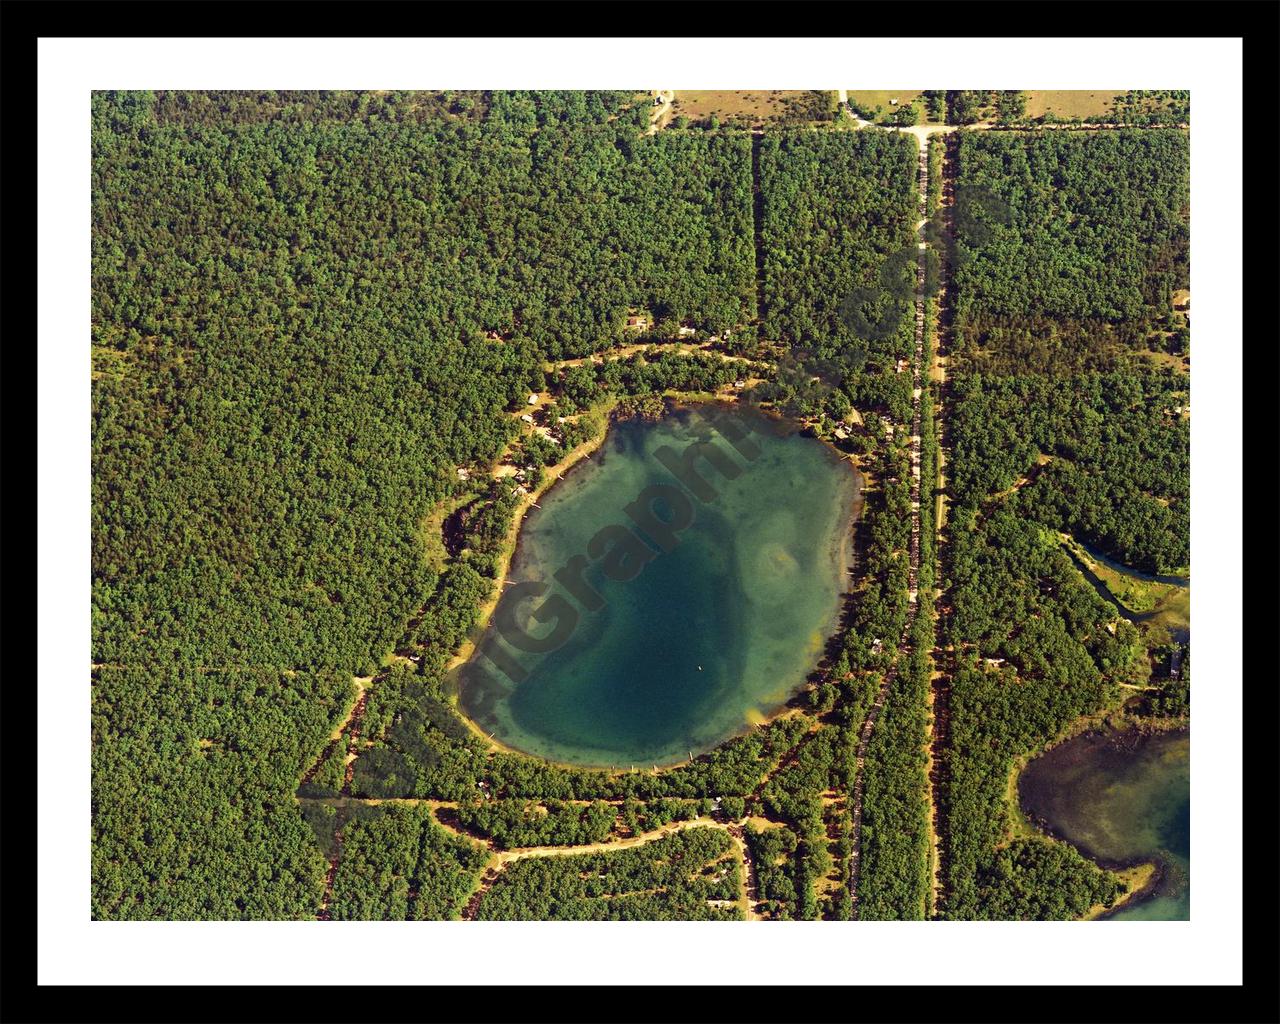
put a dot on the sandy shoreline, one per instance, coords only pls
(560, 472)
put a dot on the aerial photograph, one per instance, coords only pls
(641, 505)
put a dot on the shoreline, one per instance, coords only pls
(511, 542)
(511, 546)
(1106, 730)
(577, 458)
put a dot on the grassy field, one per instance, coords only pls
(754, 105)
(1182, 364)
(1085, 103)
(880, 97)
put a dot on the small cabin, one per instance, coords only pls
(527, 418)
(533, 400)
(686, 332)
(637, 322)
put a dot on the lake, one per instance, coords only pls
(1122, 797)
(712, 635)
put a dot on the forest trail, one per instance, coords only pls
(750, 888)
(505, 857)
(499, 859)
(661, 115)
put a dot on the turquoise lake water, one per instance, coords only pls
(710, 636)
(1122, 797)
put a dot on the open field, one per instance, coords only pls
(880, 98)
(756, 106)
(1086, 103)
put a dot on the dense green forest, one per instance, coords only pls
(895, 846)
(397, 864)
(1065, 263)
(1069, 227)
(837, 220)
(312, 309)
(193, 771)
(309, 308)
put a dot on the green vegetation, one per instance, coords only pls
(1068, 229)
(422, 748)
(968, 106)
(675, 878)
(299, 298)
(1118, 474)
(311, 309)
(397, 864)
(1153, 106)
(1011, 106)
(1065, 264)
(512, 823)
(895, 106)
(895, 824)
(838, 211)
(933, 198)
(193, 770)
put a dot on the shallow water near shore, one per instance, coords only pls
(710, 637)
(1122, 797)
